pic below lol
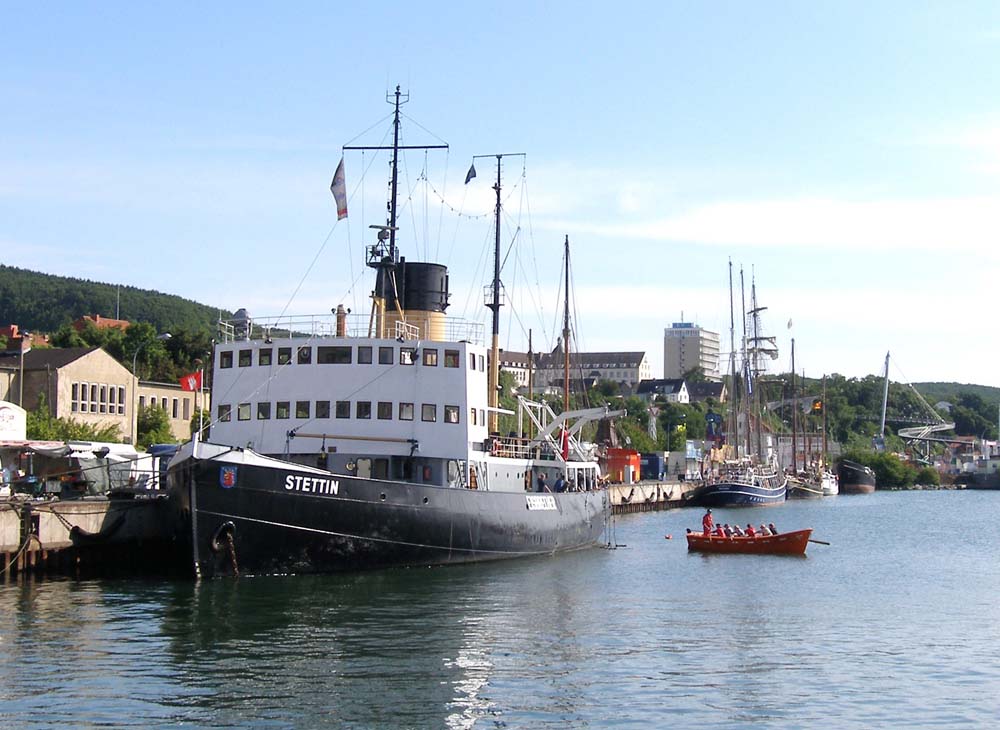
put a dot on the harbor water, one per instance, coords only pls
(896, 623)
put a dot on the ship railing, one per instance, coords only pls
(520, 448)
(448, 329)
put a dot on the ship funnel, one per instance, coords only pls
(341, 321)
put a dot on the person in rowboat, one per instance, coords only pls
(707, 522)
(738, 531)
(751, 532)
(772, 528)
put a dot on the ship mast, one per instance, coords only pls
(383, 255)
(493, 297)
(566, 334)
(795, 417)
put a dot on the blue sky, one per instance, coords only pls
(847, 153)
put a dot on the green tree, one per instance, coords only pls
(43, 426)
(153, 427)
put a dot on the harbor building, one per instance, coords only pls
(627, 369)
(687, 346)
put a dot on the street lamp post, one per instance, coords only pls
(135, 381)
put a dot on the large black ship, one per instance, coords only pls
(341, 444)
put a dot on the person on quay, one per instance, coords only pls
(707, 522)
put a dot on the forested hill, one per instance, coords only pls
(39, 302)
(951, 392)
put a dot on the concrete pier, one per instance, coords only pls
(81, 537)
(648, 496)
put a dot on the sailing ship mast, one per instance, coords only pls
(734, 417)
(566, 333)
(795, 417)
(493, 302)
(383, 255)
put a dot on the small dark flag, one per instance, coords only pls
(471, 174)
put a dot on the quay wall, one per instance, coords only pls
(82, 536)
(648, 496)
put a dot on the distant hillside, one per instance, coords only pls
(39, 302)
(936, 392)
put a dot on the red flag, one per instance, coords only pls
(565, 445)
(191, 381)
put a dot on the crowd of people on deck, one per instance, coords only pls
(710, 529)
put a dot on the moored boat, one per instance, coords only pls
(855, 478)
(746, 484)
(784, 543)
(342, 444)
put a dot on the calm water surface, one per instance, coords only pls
(895, 624)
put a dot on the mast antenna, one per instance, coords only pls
(493, 296)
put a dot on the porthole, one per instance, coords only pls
(382, 496)
(426, 500)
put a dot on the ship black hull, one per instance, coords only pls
(736, 494)
(855, 478)
(256, 525)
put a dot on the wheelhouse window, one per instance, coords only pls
(472, 361)
(428, 412)
(226, 359)
(243, 412)
(385, 356)
(282, 410)
(482, 363)
(225, 413)
(245, 358)
(405, 411)
(364, 355)
(430, 356)
(451, 414)
(343, 409)
(472, 414)
(302, 408)
(407, 355)
(264, 357)
(305, 355)
(322, 409)
(384, 410)
(451, 358)
(263, 411)
(284, 355)
(363, 409)
(340, 355)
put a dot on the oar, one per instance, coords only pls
(819, 542)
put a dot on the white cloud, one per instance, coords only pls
(966, 224)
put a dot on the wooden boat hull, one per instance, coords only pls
(786, 543)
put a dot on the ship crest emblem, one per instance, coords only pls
(227, 477)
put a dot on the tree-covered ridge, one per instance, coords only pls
(38, 302)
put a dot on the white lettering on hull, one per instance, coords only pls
(312, 485)
(540, 501)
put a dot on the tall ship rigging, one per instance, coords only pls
(748, 474)
(342, 444)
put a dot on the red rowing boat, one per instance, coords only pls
(785, 543)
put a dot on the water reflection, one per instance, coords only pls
(641, 637)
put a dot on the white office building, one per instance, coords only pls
(686, 346)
